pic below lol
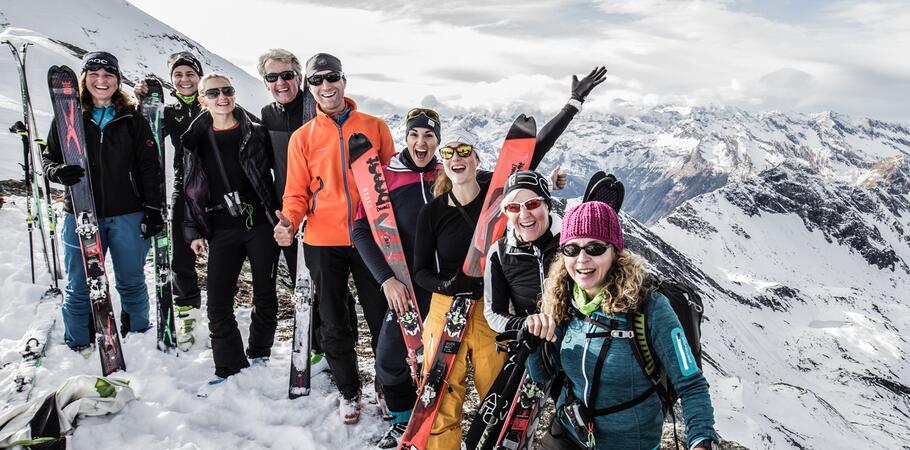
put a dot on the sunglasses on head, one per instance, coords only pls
(212, 93)
(180, 55)
(529, 205)
(91, 67)
(286, 75)
(331, 77)
(463, 150)
(425, 111)
(592, 249)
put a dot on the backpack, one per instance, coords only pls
(689, 309)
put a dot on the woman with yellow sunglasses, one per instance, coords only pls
(444, 229)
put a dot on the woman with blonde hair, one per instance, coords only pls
(593, 289)
(228, 167)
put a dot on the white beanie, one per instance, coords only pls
(461, 134)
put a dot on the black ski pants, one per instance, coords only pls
(392, 368)
(183, 261)
(228, 249)
(329, 267)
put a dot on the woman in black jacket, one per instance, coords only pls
(126, 185)
(229, 198)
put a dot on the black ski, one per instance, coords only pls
(64, 92)
(152, 108)
(605, 188)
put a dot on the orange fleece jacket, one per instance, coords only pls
(320, 184)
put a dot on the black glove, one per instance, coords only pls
(152, 223)
(67, 175)
(581, 89)
(471, 287)
(528, 340)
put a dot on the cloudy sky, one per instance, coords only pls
(759, 54)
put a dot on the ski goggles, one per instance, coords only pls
(592, 249)
(286, 75)
(528, 205)
(331, 77)
(463, 150)
(416, 112)
(212, 93)
(94, 65)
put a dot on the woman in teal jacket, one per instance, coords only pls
(593, 286)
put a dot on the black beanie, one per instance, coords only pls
(184, 59)
(530, 180)
(103, 60)
(423, 121)
(322, 61)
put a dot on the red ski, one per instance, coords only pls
(515, 155)
(374, 194)
(64, 90)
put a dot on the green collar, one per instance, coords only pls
(186, 99)
(581, 303)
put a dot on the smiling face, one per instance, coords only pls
(330, 96)
(422, 143)
(102, 85)
(222, 104)
(589, 272)
(529, 224)
(283, 91)
(185, 80)
(461, 169)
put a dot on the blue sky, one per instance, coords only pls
(761, 55)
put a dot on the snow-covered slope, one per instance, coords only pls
(809, 312)
(64, 30)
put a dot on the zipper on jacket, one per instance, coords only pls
(344, 173)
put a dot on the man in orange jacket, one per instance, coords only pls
(320, 186)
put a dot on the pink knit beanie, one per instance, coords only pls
(592, 220)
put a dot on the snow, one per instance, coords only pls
(251, 410)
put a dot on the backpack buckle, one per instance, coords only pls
(622, 334)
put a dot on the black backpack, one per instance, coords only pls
(689, 309)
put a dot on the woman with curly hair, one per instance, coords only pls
(594, 287)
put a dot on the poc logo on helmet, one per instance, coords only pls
(98, 61)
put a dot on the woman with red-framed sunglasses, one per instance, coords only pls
(444, 230)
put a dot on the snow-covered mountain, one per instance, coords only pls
(64, 30)
(808, 313)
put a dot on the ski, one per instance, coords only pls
(515, 155)
(34, 175)
(523, 417)
(492, 412)
(374, 195)
(64, 92)
(605, 188)
(299, 384)
(152, 108)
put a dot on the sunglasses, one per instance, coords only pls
(529, 205)
(463, 150)
(331, 77)
(91, 67)
(212, 93)
(286, 75)
(180, 55)
(425, 111)
(592, 249)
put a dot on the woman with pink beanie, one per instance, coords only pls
(594, 288)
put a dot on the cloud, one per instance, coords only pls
(497, 54)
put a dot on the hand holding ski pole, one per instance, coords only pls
(396, 294)
(284, 232)
(541, 325)
(199, 246)
(558, 179)
(581, 89)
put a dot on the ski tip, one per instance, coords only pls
(522, 128)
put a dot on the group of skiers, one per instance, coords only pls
(244, 186)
